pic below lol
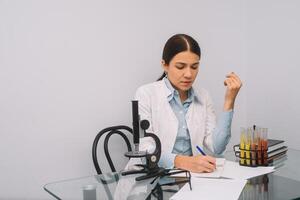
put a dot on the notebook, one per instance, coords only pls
(274, 144)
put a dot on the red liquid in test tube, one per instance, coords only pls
(265, 145)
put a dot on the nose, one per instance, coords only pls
(188, 73)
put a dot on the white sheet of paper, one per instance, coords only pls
(234, 171)
(215, 174)
(211, 189)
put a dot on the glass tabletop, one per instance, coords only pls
(289, 168)
(283, 184)
(105, 186)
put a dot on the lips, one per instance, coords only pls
(186, 82)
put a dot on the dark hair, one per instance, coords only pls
(176, 44)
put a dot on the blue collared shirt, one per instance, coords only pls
(182, 146)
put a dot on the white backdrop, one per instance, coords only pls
(273, 67)
(70, 68)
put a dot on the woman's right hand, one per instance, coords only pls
(196, 164)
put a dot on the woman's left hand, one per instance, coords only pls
(233, 84)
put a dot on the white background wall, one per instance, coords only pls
(70, 68)
(273, 67)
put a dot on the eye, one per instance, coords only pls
(195, 66)
(179, 65)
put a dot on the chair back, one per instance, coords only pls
(119, 130)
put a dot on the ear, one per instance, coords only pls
(164, 66)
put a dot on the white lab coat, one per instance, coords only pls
(154, 106)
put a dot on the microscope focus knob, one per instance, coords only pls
(145, 124)
(153, 158)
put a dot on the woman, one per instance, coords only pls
(183, 116)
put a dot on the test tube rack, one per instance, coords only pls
(251, 157)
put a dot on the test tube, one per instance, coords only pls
(242, 146)
(259, 145)
(254, 146)
(248, 146)
(265, 145)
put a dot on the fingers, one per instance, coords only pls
(233, 81)
(210, 159)
(204, 164)
(228, 82)
(234, 76)
(209, 167)
(203, 169)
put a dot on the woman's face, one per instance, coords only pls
(182, 70)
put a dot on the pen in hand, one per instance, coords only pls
(203, 153)
(200, 150)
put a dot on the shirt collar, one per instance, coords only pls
(173, 92)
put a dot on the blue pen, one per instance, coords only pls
(200, 150)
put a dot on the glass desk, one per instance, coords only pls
(283, 184)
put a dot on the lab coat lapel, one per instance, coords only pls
(169, 122)
(195, 122)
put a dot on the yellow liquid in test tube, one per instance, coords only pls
(248, 147)
(242, 146)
